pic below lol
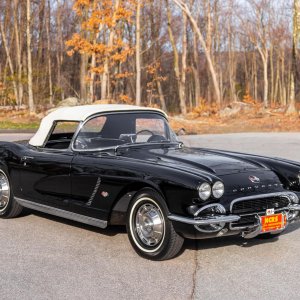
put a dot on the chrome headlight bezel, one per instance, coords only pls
(204, 191)
(218, 189)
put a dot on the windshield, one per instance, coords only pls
(113, 130)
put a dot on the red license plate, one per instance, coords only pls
(273, 222)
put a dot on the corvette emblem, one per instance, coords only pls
(254, 179)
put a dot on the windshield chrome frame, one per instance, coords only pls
(105, 114)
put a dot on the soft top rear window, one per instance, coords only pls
(62, 135)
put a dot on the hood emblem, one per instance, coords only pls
(254, 179)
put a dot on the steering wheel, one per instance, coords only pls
(156, 138)
(146, 131)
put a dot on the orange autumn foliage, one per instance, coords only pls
(101, 34)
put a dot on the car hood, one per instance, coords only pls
(197, 160)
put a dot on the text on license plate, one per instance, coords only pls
(273, 222)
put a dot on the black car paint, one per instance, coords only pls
(70, 180)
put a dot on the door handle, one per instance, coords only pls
(26, 158)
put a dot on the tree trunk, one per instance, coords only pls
(277, 77)
(161, 96)
(59, 53)
(292, 105)
(196, 68)
(266, 83)
(183, 63)
(18, 53)
(48, 24)
(10, 64)
(213, 72)
(272, 74)
(208, 42)
(92, 79)
(29, 59)
(138, 54)
(264, 53)
(176, 61)
(196, 71)
(283, 86)
(105, 84)
(255, 76)
(231, 65)
(83, 75)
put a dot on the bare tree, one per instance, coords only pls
(258, 30)
(9, 60)
(180, 78)
(296, 28)
(138, 54)
(213, 72)
(18, 52)
(48, 25)
(29, 59)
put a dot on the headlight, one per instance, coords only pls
(204, 191)
(218, 189)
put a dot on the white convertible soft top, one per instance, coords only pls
(79, 113)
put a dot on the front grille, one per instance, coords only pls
(245, 221)
(259, 205)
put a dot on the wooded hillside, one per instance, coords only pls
(179, 55)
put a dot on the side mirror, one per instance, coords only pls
(181, 131)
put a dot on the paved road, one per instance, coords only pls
(45, 257)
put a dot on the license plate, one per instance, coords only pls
(273, 222)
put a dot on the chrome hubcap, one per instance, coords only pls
(4, 191)
(150, 224)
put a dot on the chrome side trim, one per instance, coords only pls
(62, 213)
(261, 196)
(96, 188)
(205, 221)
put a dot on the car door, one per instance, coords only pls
(97, 177)
(45, 172)
(97, 180)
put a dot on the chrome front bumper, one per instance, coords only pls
(247, 231)
(206, 221)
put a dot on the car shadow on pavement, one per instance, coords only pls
(213, 243)
(235, 240)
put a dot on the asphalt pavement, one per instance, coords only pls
(44, 257)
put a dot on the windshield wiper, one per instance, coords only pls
(162, 144)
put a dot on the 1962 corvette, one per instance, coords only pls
(118, 164)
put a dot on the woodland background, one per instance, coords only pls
(198, 58)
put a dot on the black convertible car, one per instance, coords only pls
(117, 164)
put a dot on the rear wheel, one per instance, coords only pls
(150, 232)
(9, 208)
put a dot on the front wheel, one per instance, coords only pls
(150, 232)
(9, 208)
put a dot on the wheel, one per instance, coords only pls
(268, 236)
(9, 208)
(150, 232)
